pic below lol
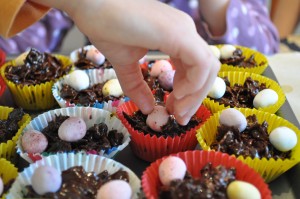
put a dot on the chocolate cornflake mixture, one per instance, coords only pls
(9, 127)
(77, 183)
(241, 96)
(85, 97)
(237, 59)
(252, 142)
(172, 128)
(83, 63)
(37, 68)
(212, 184)
(97, 138)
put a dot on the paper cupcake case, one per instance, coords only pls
(269, 169)
(150, 148)
(96, 76)
(90, 115)
(195, 161)
(63, 161)
(8, 172)
(248, 52)
(8, 149)
(240, 78)
(33, 97)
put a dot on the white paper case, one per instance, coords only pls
(90, 115)
(63, 161)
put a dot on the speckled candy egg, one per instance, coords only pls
(218, 89)
(78, 80)
(160, 66)
(72, 129)
(1, 186)
(20, 59)
(265, 98)
(46, 179)
(34, 141)
(216, 51)
(283, 138)
(113, 88)
(233, 117)
(95, 55)
(227, 51)
(165, 79)
(242, 190)
(171, 168)
(157, 118)
(115, 189)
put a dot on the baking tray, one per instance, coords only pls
(287, 186)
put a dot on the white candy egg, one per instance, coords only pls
(157, 118)
(218, 88)
(115, 189)
(215, 51)
(160, 66)
(46, 179)
(227, 51)
(283, 138)
(171, 168)
(78, 80)
(94, 55)
(265, 98)
(1, 186)
(34, 141)
(233, 117)
(72, 129)
(112, 87)
(242, 190)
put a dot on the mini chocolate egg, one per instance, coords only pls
(218, 88)
(283, 138)
(72, 129)
(216, 51)
(20, 59)
(1, 186)
(227, 51)
(165, 79)
(171, 168)
(34, 141)
(160, 66)
(78, 80)
(94, 55)
(157, 118)
(46, 179)
(113, 88)
(242, 190)
(233, 117)
(265, 98)
(115, 189)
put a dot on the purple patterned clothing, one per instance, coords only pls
(248, 24)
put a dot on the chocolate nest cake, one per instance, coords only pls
(238, 60)
(252, 142)
(241, 96)
(85, 97)
(77, 183)
(172, 128)
(97, 138)
(212, 184)
(83, 63)
(37, 68)
(9, 127)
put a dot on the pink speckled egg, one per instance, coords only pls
(160, 66)
(115, 189)
(166, 78)
(157, 118)
(46, 179)
(95, 55)
(34, 141)
(72, 129)
(233, 117)
(171, 168)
